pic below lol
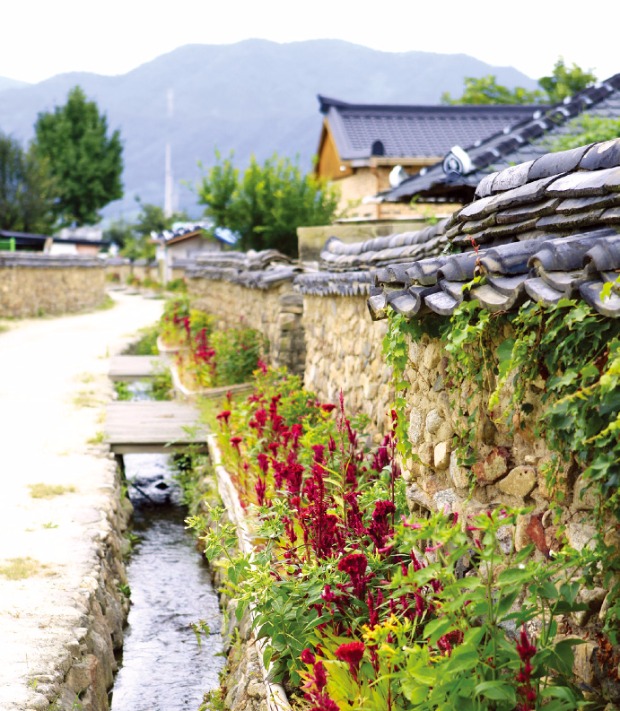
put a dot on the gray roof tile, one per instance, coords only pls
(602, 155)
(557, 163)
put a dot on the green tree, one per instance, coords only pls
(26, 189)
(266, 203)
(86, 163)
(565, 81)
(486, 90)
(562, 82)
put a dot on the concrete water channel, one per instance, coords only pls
(172, 646)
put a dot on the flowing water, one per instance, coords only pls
(164, 667)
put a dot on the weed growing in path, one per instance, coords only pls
(48, 491)
(86, 398)
(97, 438)
(20, 568)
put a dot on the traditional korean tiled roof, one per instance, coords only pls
(258, 270)
(411, 130)
(455, 178)
(544, 230)
(347, 268)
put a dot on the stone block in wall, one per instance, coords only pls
(292, 303)
(441, 456)
(492, 467)
(519, 481)
(458, 474)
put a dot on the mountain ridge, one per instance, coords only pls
(254, 97)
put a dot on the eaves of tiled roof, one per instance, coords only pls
(546, 230)
(257, 270)
(408, 131)
(347, 268)
(525, 141)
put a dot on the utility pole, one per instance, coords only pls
(168, 182)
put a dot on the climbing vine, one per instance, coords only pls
(567, 357)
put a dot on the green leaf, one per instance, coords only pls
(462, 660)
(496, 691)
(559, 692)
(437, 628)
(504, 355)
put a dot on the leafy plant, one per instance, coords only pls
(267, 203)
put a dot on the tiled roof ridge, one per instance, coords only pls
(267, 278)
(337, 255)
(545, 118)
(344, 106)
(323, 283)
(590, 157)
(545, 230)
(250, 260)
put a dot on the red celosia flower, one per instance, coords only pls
(261, 366)
(319, 452)
(352, 653)
(320, 677)
(260, 488)
(382, 525)
(223, 416)
(328, 407)
(526, 650)
(307, 657)
(263, 462)
(236, 441)
(324, 703)
(354, 564)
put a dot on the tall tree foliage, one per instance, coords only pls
(266, 203)
(26, 189)
(85, 161)
(486, 90)
(564, 81)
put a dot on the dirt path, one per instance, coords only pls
(53, 385)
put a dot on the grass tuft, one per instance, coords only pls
(48, 491)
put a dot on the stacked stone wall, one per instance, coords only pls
(40, 284)
(510, 457)
(344, 353)
(276, 313)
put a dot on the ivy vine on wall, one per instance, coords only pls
(570, 356)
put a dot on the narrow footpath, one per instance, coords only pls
(58, 499)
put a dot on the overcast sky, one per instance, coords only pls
(41, 38)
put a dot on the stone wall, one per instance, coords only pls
(33, 284)
(82, 673)
(344, 352)
(275, 312)
(509, 461)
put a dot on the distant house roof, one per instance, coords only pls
(454, 179)
(364, 131)
(188, 230)
(30, 241)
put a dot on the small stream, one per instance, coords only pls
(164, 668)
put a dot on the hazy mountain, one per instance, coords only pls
(6, 83)
(252, 97)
